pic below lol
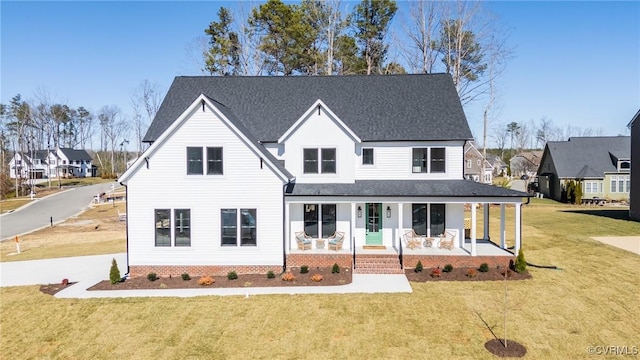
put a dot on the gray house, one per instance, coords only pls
(634, 208)
(602, 164)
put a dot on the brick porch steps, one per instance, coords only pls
(377, 264)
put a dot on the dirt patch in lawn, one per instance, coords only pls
(464, 274)
(513, 349)
(52, 289)
(247, 280)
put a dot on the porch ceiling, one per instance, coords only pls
(406, 188)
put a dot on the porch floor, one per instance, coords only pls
(483, 248)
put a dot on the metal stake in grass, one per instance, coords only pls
(17, 244)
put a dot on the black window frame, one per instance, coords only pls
(166, 238)
(437, 211)
(215, 160)
(420, 158)
(182, 227)
(310, 217)
(419, 218)
(248, 227)
(367, 159)
(438, 160)
(329, 213)
(195, 164)
(328, 161)
(311, 161)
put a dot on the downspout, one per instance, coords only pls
(126, 209)
(284, 228)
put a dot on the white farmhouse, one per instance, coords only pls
(262, 173)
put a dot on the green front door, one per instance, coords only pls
(374, 224)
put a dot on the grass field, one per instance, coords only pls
(559, 314)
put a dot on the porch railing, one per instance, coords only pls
(400, 254)
(353, 251)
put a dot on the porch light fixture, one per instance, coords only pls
(388, 212)
(359, 212)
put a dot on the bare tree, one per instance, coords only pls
(522, 136)
(500, 136)
(422, 29)
(113, 127)
(145, 100)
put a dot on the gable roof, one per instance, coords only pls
(73, 154)
(587, 156)
(533, 156)
(319, 105)
(375, 108)
(633, 120)
(228, 118)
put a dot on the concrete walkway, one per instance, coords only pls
(629, 243)
(89, 270)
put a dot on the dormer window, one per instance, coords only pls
(624, 165)
(319, 161)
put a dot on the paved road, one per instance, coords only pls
(60, 206)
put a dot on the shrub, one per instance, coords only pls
(288, 277)
(152, 276)
(270, 274)
(448, 268)
(521, 264)
(231, 275)
(316, 278)
(335, 269)
(114, 274)
(206, 280)
(472, 273)
(186, 277)
(436, 272)
(419, 267)
(484, 267)
(506, 272)
(304, 269)
(65, 282)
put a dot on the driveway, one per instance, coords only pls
(58, 207)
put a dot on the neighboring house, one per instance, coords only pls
(602, 164)
(63, 162)
(499, 166)
(634, 196)
(475, 167)
(238, 167)
(525, 163)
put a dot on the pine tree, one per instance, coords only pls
(114, 274)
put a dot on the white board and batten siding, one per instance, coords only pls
(393, 161)
(320, 131)
(166, 185)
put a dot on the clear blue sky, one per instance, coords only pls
(577, 63)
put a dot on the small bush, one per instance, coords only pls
(270, 274)
(288, 277)
(65, 282)
(472, 273)
(316, 278)
(206, 281)
(114, 274)
(152, 277)
(484, 267)
(231, 275)
(186, 277)
(335, 269)
(506, 272)
(521, 264)
(419, 267)
(436, 273)
(448, 268)
(304, 269)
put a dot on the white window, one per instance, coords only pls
(468, 164)
(587, 187)
(614, 182)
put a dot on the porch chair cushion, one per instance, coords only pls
(336, 240)
(303, 240)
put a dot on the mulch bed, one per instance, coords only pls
(513, 349)
(248, 280)
(461, 274)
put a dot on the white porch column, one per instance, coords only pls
(503, 233)
(485, 208)
(287, 225)
(473, 229)
(518, 228)
(354, 216)
(400, 232)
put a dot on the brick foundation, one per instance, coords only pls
(319, 260)
(200, 270)
(431, 261)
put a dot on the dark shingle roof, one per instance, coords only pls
(392, 188)
(582, 157)
(73, 154)
(384, 107)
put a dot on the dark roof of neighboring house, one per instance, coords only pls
(393, 188)
(588, 157)
(379, 107)
(73, 154)
(533, 156)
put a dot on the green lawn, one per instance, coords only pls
(592, 301)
